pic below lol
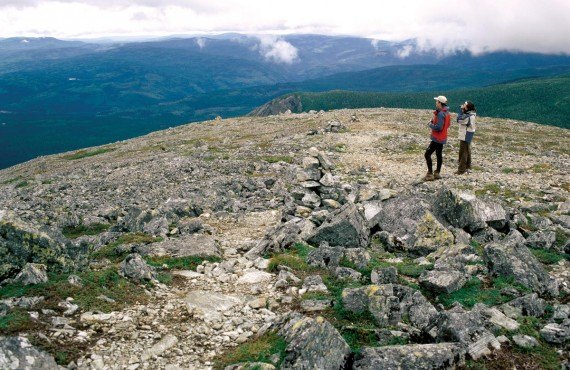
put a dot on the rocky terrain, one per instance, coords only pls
(294, 241)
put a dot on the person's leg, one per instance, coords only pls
(468, 161)
(462, 157)
(439, 155)
(427, 155)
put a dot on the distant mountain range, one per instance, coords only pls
(60, 95)
(544, 99)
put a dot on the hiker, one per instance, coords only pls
(439, 124)
(467, 127)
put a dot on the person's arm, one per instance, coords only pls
(438, 126)
(462, 118)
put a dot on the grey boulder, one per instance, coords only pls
(463, 209)
(313, 344)
(412, 357)
(18, 353)
(510, 258)
(343, 228)
(443, 281)
(134, 267)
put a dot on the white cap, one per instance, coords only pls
(441, 99)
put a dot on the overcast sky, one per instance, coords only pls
(479, 25)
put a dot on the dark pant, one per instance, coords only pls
(464, 156)
(438, 149)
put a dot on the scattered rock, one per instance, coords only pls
(163, 345)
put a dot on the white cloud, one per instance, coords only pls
(405, 51)
(277, 50)
(201, 42)
(484, 25)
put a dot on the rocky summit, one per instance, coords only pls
(293, 241)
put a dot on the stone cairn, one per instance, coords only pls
(318, 191)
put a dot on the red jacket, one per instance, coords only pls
(439, 124)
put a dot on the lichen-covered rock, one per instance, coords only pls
(556, 333)
(443, 281)
(514, 259)
(466, 327)
(345, 273)
(134, 267)
(463, 209)
(386, 275)
(343, 228)
(325, 257)
(31, 274)
(314, 283)
(401, 215)
(279, 238)
(358, 256)
(18, 353)
(412, 357)
(525, 341)
(22, 242)
(529, 305)
(389, 303)
(313, 344)
(541, 239)
(430, 235)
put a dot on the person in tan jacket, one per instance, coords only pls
(467, 126)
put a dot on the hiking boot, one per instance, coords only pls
(429, 177)
(460, 172)
(436, 176)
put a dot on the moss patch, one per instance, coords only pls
(259, 349)
(115, 254)
(73, 232)
(549, 257)
(106, 282)
(475, 291)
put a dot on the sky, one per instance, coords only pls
(476, 25)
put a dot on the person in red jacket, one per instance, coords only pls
(438, 124)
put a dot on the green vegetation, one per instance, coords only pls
(22, 184)
(86, 153)
(180, 263)
(259, 349)
(295, 258)
(275, 159)
(16, 321)
(112, 252)
(75, 231)
(106, 282)
(475, 291)
(548, 256)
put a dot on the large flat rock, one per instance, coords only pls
(212, 305)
